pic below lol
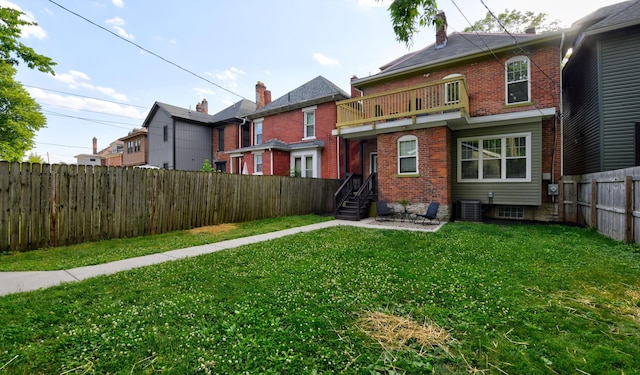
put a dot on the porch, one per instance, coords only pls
(447, 95)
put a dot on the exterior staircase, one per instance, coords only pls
(353, 199)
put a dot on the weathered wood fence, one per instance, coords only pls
(54, 205)
(608, 201)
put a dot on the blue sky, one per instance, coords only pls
(104, 86)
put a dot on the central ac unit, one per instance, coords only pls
(470, 210)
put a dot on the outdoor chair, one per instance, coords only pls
(430, 216)
(382, 211)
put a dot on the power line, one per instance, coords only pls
(59, 145)
(88, 110)
(146, 50)
(84, 96)
(102, 122)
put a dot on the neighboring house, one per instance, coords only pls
(292, 134)
(601, 87)
(179, 138)
(231, 132)
(90, 159)
(471, 119)
(112, 155)
(135, 147)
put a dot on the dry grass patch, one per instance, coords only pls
(220, 228)
(395, 333)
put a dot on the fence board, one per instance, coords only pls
(54, 205)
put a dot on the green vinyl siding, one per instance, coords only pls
(620, 84)
(504, 192)
(582, 114)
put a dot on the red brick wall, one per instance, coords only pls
(433, 181)
(486, 83)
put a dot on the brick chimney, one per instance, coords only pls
(95, 145)
(530, 30)
(203, 107)
(441, 30)
(355, 92)
(263, 96)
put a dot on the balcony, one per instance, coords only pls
(435, 97)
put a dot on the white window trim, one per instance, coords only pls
(405, 138)
(255, 155)
(304, 123)
(253, 130)
(314, 154)
(506, 80)
(503, 158)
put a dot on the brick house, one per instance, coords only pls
(469, 121)
(292, 134)
(135, 151)
(231, 131)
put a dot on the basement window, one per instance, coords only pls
(510, 212)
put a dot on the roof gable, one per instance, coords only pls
(177, 112)
(318, 90)
(235, 111)
(612, 17)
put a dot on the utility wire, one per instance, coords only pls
(88, 110)
(146, 50)
(84, 96)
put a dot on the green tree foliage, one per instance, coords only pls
(20, 115)
(514, 21)
(11, 50)
(34, 158)
(206, 166)
(409, 16)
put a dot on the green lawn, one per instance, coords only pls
(90, 253)
(470, 298)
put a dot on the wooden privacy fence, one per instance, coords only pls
(55, 205)
(607, 201)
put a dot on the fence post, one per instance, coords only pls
(628, 209)
(575, 201)
(594, 204)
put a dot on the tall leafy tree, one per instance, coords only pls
(409, 16)
(20, 115)
(34, 158)
(514, 21)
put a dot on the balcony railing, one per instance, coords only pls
(435, 97)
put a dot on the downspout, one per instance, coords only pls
(173, 141)
(338, 157)
(561, 112)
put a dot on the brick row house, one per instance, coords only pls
(470, 122)
(135, 148)
(289, 136)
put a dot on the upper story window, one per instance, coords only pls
(257, 133)
(408, 154)
(136, 145)
(129, 147)
(165, 133)
(220, 139)
(309, 122)
(518, 80)
(495, 158)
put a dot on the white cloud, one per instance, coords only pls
(203, 93)
(76, 79)
(80, 103)
(324, 60)
(26, 31)
(117, 23)
(118, 3)
(228, 78)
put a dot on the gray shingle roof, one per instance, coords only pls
(610, 17)
(184, 113)
(235, 111)
(318, 90)
(459, 45)
(280, 145)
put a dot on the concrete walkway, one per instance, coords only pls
(14, 282)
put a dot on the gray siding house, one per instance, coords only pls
(179, 138)
(601, 88)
